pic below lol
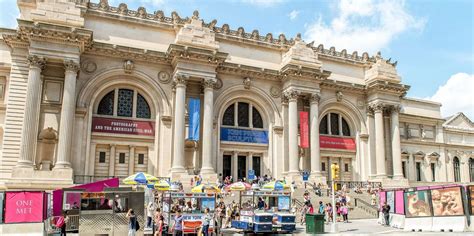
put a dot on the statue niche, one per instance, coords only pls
(47, 147)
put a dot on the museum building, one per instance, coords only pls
(89, 91)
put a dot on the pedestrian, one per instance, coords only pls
(150, 212)
(205, 222)
(260, 204)
(133, 225)
(345, 213)
(62, 222)
(386, 213)
(219, 217)
(157, 217)
(310, 208)
(177, 228)
(159, 225)
(321, 207)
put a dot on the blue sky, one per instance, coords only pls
(432, 40)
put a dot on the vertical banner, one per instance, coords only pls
(194, 109)
(2, 194)
(23, 207)
(304, 136)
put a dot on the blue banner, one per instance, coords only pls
(244, 135)
(194, 108)
(251, 174)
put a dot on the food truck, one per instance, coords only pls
(192, 206)
(273, 217)
(105, 212)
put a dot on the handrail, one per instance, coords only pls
(373, 210)
(354, 184)
(298, 203)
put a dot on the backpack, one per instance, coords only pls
(137, 225)
(60, 222)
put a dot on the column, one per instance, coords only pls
(411, 167)
(32, 107)
(131, 161)
(234, 168)
(68, 110)
(112, 160)
(396, 150)
(314, 137)
(179, 124)
(379, 141)
(371, 144)
(284, 108)
(90, 165)
(293, 130)
(207, 125)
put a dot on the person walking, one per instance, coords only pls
(133, 225)
(386, 213)
(321, 208)
(150, 212)
(345, 213)
(160, 223)
(177, 228)
(205, 222)
(62, 222)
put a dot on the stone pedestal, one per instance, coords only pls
(26, 178)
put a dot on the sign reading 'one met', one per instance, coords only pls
(244, 135)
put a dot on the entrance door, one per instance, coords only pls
(256, 165)
(227, 166)
(242, 167)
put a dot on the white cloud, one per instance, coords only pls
(293, 14)
(263, 3)
(456, 95)
(364, 25)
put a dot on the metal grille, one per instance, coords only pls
(106, 105)
(125, 102)
(143, 109)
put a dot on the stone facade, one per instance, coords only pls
(90, 90)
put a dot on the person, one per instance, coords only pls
(62, 222)
(260, 204)
(105, 205)
(150, 212)
(205, 222)
(160, 222)
(345, 213)
(177, 228)
(321, 207)
(329, 212)
(310, 208)
(132, 222)
(373, 199)
(75, 206)
(386, 213)
(219, 217)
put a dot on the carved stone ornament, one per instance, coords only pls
(275, 92)
(208, 83)
(164, 77)
(218, 84)
(141, 12)
(104, 4)
(128, 66)
(123, 9)
(88, 66)
(339, 96)
(315, 98)
(195, 15)
(284, 99)
(377, 107)
(159, 15)
(247, 82)
(70, 65)
(292, 94)
(180, 79)
(37, 61)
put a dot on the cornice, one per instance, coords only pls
(181, 52)
(250, 71)
(387, 87)
(344, 86)
(410, 118)
(297, 71)
(136, 54)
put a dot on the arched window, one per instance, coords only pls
(126, 99)
(471, 169)
(247, 116)
(457, 175)
(334, 124)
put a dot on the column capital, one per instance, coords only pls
(284, 99)
(180, 79)
(209, 83)
(36, 61)
(72, 66)
(377, 107)
(292, 94)
(314, 98)
(395, 108)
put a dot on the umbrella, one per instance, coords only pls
(275, 186)
(238, 186)
(140, 178)
(206, 188)
(163, 185)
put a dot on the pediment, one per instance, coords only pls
(459, 121)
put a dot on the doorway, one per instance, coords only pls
(227, 166)
(241, 167)
(256, 165)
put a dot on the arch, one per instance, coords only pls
(349, 111)
(230, 116)
(456, 167)
(343, 130)
(257, 96)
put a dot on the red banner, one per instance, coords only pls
(304, 129)
(22, 207)
(337, 143)
(122, 126)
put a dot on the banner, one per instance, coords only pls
(123, 126)
(382, 199)
(391, 201)
(23, 207)
(283, 203)
(194, 111)
(447, 202)
(417, 204)
(399, 203)
(244, 135)
(304, 129)
(337, 143)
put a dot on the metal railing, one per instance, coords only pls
(85, 179)
(354, 184)
(367, 207)
(71, 226)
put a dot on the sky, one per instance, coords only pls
(432, 40)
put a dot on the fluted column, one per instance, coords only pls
(31, 118)
(112, 160)
(292, 96)
(67, 115)
(396, 151)
(207, 124)
(314, 145)
(179, 124)
(379, 141)
(371, 146)
(284, 108)
(131, 160)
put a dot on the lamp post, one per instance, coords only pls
(334, 175)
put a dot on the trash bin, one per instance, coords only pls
(314, 223)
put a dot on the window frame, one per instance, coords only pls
(457, 169)
(122, 155)
(340, 118)
(136, 91)
(142, 155)
(250, 116)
